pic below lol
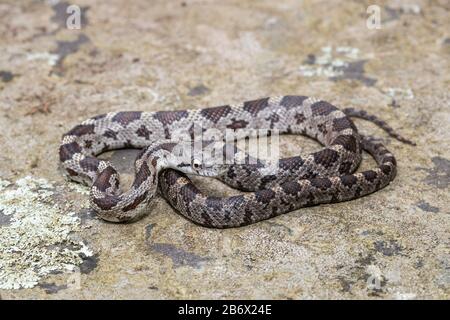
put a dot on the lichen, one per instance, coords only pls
(329, 62)
(336, 64)
(51, 58)
(37, 240)
(79, 188)
(399, 93)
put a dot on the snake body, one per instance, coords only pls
(324, 176)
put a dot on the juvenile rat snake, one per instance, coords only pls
(324, 176)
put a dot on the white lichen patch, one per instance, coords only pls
(79, 188)
(330, 62)
(4, 184)
(399, 93)
(404, 296)
(37, 238)
(50, 58)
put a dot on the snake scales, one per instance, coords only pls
(324, 176)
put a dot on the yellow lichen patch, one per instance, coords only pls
(35, 234)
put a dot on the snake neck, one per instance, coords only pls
(111, 203)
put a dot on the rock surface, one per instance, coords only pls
(167, 55)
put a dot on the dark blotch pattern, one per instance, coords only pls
(348, 142)
(273, 118)
(102, 181)
(81, 130)
(169, 117)
(106, 203)
(142, 175)
(255, 106)
(125, 118)
(66, 151)
(110, 134)
(292, 163)
(235, 202)
(168, 146)
(137, 201)
(170, 176)
(214, 203)
(89, 164)
(267, 179)
(264, 196)
(349, 180)
(345, 167)
(322, 128)
(216, 113)
(291, 188)
(390, 159)
(322, 108)
(237, 124)
(385, 169)
(143, 132)
(292, 101)
(300, 117)
(71, 172)
(370, 175)
(188, 192)
(321, 183)
(88, 144)
(327, 157)
(340, 124)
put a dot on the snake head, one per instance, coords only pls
(206, 160)
(196, 164)
(206, 167)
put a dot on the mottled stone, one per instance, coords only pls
(198, 90)
(425, 206)
(6, 76)
(392, 244)
(439, 174)
(178, 256)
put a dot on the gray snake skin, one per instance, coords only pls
(324, 176)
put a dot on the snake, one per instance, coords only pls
(328, 175)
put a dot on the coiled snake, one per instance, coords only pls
(324, 176)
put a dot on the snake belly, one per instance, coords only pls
(324, 176)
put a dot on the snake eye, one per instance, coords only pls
(196, 164)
